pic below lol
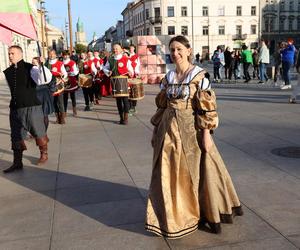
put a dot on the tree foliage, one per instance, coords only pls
(79, 48)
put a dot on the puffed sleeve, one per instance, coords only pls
(161, 103)
(205, 109)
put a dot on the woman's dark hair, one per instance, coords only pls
(184, 41)
(181, 39)
(244, 47)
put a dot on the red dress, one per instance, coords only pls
(105, 86)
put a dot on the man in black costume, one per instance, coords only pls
(26, 114)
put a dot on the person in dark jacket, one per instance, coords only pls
(288, 56)
(26, 113)
(228, 62)
(296, 89)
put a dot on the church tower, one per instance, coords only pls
(80, 34)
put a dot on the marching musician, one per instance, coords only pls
(89, 68)
(96, 87)
(105, 86)
(135, 63)
(119, 65)
(43, 91)
(58, 70)
(72, 71)
(25, 109)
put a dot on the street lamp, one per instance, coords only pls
(70, 26)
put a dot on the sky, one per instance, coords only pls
(96, 15)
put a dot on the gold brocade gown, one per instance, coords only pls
(187, 185)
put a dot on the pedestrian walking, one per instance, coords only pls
(296, 89)
(264, 60)
(228, 62)
(288, 56)
(237, 65)
(246, 61)
(26, 113)
(255, 59)
(277, 62)
(216, 59)
(188, 174)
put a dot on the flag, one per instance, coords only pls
(15, 15)
(5, 36)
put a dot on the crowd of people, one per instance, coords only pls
(259, 58)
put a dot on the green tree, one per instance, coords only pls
(79, 48)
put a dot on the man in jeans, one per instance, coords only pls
(296, 89)
(263, 59)
(288, 54)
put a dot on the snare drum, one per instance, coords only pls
(85, 81)
(119, 86)
(136, 89)
(72, 84)
(59, 87)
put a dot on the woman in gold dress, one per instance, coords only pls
(190, 184)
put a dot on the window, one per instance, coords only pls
(221, 30)
(282, 5)
(253, 29)
(281, 25)
(298, 5)
(221, 10)
(253, 10)
(291, 5)
(267, 29)
(239, 10)
(204, 11)
(156, 12)
(298, 23)
(205, 31)
(147, 32)
(170, 11)
(183, 11)
(184, 30)
(171, 30)
(291, 25)
(157, 31)
(272, 24)
(238, 30)
(147, 14)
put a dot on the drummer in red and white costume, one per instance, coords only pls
(89, 68)
(119, 65)
(72, 71)
(58, 70)
(135, 63)
(96, 88)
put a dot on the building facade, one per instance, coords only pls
(280, 20)
(207, 24)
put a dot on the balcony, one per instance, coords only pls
(156, 19)
(239, 37)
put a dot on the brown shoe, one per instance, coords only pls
(44, 155)
(62, 118)
(125, 118)
(74, 111)
(57, 118)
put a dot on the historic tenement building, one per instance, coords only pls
(280, 20)
(206, 23)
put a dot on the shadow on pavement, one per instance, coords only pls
(112, 204)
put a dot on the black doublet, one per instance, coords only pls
(22, 86)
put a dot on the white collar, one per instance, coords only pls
(172, 73)
(53, 61)
(118, 57)
(67, 61)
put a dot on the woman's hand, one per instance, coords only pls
(206, 140)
